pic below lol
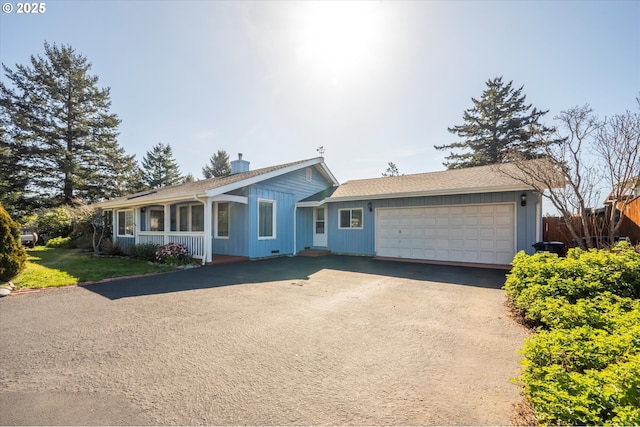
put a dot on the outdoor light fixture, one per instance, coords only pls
(523, 200)
(370, 206)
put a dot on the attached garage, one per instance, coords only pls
(481, 216)
(484, 233)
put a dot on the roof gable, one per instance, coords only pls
(214, 186)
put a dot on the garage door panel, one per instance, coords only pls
(505, 233)
(486, 221)
(470, 233)
(429, 221)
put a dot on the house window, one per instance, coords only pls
(266, 219)
(222, 220)
(183, 218)
(197, 218)
(309, 174)
(351, 218)
(190, 217)
(125, 223)
(156, 220)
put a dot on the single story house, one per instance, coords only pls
(475, 215)
(248, 213)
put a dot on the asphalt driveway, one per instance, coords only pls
(299, 341)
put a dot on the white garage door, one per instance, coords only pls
(471, 233)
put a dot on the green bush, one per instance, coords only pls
(111, 248)
(144, 251)
(582, 274)
(12, 254)
(609, 396)
(582, 366)
(55, 222)
(59, 242)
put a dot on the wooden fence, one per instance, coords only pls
(554, 229)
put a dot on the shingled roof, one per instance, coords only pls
(481, 179)
(200, 188)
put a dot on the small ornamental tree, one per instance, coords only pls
(12, 254)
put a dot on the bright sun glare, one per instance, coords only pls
(338, 40)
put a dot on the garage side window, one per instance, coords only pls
(125, 223)
(350, 219)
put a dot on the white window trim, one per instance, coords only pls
(273, 218)
(133, 223)
(215, 222)
(189, 207)
(350, 218)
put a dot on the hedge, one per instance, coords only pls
(582, 366)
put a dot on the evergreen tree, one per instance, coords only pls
(13, 179)
(159, 167)
(12, 254)
(188, 178)
(218, 165)
(392, 170)
(498, 124)
(60, 131)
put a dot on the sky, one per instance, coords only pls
(371, 82)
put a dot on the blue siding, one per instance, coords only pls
(362, 242)
(282, 244)
(304, 228)
(296, 184)
(285, 190)
(353, 241)
(237, 243)
(125, 243)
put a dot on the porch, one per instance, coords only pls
(194, 223)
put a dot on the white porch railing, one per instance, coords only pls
(194, 241)
(155, 237)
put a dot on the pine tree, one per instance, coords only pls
(61, 130)
(13, 179)
(12, 254)
(392, 170)
(218, 165)
(499, 123)
(159, 167)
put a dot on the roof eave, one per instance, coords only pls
(175, 198)
(430, 193)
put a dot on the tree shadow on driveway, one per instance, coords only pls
(292, 268)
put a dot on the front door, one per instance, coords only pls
(319, 227)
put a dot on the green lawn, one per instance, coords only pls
(48, 267)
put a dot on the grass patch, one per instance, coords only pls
(51, 267)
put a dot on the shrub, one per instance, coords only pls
(111, 248)
(595, 397)
(56, 222)
(582, 274)
(173, 254)
(582, 367)
(144, 251)
(12, 254)
(59, 242)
